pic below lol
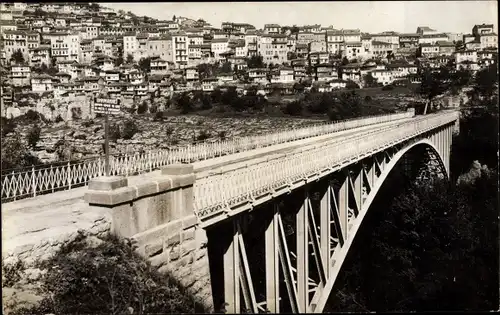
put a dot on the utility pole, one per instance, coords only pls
(106, 106)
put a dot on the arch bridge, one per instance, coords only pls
(269, 233)
(279, 232)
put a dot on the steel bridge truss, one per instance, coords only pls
(298, 268)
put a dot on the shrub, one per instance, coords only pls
(351, 85)
(294, 108)
(158, 115)
(388, 87)
(184, 103)
(206, 102)
(204, 134)
(58, 119)
(11, 273)
(15, 154)
(105, 276)
(33, 136)
(114, 132)
(153, 109)
(8, 126)
(32, 115)
(87, 123)
(222, 135)
(143, 108)
(129, 129)
(169, 131)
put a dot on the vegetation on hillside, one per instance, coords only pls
(433, 247)
(105, 276)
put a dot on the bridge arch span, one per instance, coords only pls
(340, 255)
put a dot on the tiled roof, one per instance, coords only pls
(409, 35)
(484, 25)
(41, 76)
(425, 28)
(489, 34)
(445, 43)
(220, 40)
(434, 35)
(376, 42)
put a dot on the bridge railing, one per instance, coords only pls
(31, 182)
(215, 193)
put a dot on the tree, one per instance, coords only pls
(369, 80)
(294, 29)
(222, 135)
(460, 78)
(114, 132)
(431, 86)
(119, 60)
(7, 125)
(486, 82)
(42, 69)
(291, 55)
(226, 67)
(206, 102)
(135, 20)
(17, 57)
(255, 62)
(205, 70)
(129, 129)
(158, 116)
(345, 61)
(216, 95)
(346, 105)
(39, 12)
(93, 6)
(229, 96)
(459, 45)
(350, 85)
(184, 103)
(130, 59)
(298, 87)
(15, 154)
(33, 136)
(142, 108)
(145, 64)
(294, 108)
(32, 115)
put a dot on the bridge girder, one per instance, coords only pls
(300, 271)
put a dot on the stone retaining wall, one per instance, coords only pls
(158, 216)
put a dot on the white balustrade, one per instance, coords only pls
(218, 191)
(19, 184)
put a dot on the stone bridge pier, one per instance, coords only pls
(157, 215)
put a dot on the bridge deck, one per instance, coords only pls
(27, 221)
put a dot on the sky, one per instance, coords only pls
(368, 16)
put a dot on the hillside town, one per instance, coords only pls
(72, 51)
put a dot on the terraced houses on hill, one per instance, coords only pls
(101, 50)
